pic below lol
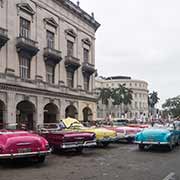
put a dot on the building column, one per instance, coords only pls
(40, 111)
(62, 109)
(10, 116)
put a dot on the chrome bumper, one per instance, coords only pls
(151, 142)
(71, 145)
(110, 140)
(24, 155)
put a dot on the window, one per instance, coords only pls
(135, 104)
(70, 48)
(24, 67)
(24, 28)
(50, 40)
(50, 73)
(70, 78)
(86, 82)
(86, 55)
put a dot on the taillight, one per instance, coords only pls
(47, 146)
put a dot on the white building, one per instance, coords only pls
(47, 62)
(139, 107)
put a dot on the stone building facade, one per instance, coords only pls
(47, 62)
(139, 106)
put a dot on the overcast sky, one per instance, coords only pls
(141, 39)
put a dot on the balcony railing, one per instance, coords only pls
(3, 37)
(52, 55)
(72, 62)
(88, 68)
(26, 45)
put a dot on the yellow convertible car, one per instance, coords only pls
(103, 136)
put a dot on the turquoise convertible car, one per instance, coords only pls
(168, 136)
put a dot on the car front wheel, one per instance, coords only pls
(170, 146)
(141, 147)
(79, 149)
(41, 159)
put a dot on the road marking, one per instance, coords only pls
(170, 176)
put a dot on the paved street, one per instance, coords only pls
(121, 161)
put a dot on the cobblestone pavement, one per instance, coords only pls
(118, 161)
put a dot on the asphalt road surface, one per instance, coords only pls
(118, 161)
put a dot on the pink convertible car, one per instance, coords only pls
(23, 144)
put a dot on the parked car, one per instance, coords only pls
(124, 132)
(60, 139)
(23, 144)
(103, 135)
(168, 136)
(142, 126)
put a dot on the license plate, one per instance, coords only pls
(151, 140)
(24, 150)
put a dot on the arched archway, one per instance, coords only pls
(25, 112)
(87, 114)
(2, 110)
(50, 113)
(71, 111)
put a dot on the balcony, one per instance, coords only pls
(72, 62)
(52, 56)
(26, 46)
(88, 68)
(3, 37)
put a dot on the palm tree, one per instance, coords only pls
(153, 99)
(122, 96)
(105, 94)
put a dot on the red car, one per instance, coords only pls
(60, 138)
(23, 144)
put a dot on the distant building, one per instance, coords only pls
(139, 107)
(47, 62)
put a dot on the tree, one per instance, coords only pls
(153, 99)
(172, 107)
(120, 96)
(105, 94)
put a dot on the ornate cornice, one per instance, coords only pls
(17, 88)
(81, 14)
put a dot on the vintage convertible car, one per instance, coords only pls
(23, 144)
(59, 138)
(103, 135)
(124, 132)
(169, 136)
(139, 125)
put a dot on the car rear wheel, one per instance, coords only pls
(141, 147)
(41, 159)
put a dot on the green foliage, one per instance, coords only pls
(105, 94)
(172, 106)
(153, 99)
(120, 95)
